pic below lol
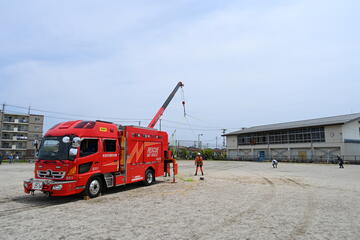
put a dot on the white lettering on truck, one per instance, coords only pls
(152, 152)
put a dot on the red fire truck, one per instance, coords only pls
(89, 156)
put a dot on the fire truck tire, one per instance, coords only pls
(149, 177)
(93, 187)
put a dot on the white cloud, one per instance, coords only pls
(241, 64)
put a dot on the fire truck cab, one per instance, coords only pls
(89, 156)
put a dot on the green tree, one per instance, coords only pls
(208, 153)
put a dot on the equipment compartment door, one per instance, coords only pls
(135, 160)
(152, 152)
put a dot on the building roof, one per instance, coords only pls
(298, 124)
(21, 114)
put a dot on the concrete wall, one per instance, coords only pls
(35, 128)
(351, 149)
(231, 142)
(334, 134)
(36, 119)
(351, 130)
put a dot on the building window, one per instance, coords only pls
(300, 135)
(37, 119)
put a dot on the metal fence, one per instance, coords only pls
(348, 159)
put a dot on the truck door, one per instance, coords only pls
(110, 156)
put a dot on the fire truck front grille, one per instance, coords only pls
(51, 174)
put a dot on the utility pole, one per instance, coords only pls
(29, 110)
(223, 131)
(199, 145)
(139, 123)
(216, 142)
(160, 123)
(1, 123)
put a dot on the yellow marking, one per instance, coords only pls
(148, 144)
(103, 129)
(110, 164)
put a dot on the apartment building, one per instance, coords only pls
(18, 133)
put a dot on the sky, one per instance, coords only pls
(243, 63)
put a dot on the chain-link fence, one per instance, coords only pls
(348, 159)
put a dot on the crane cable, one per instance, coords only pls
(183, 100)
(185, 115)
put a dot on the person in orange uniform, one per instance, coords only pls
(199, 163)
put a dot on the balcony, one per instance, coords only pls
(16, 120)
(20, 138)
(15, 129)
(12, 147)
(14, 138)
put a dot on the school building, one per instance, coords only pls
(321, 139)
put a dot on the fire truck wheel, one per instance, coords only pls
(149, 177)
(93, 187)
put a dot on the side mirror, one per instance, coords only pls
(66, 139)
(76, 142)
(72, 153)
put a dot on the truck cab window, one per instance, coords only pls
(88, 147)
(109, 145)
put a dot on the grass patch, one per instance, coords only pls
(188, 179)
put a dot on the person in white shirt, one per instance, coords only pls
(274, 163)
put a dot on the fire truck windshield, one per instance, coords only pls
(53, 148)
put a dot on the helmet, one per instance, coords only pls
(198, 154)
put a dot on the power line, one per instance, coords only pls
(75, 115)
(182, 123)
(60, 118)
(117, 119)
(120, 120)
(189, 129)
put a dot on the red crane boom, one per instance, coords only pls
(163, 107)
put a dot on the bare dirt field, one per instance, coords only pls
(237, 200)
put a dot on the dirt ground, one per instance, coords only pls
(237, 200)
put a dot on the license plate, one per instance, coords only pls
(37, 185)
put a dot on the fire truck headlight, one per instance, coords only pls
(57, 187)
